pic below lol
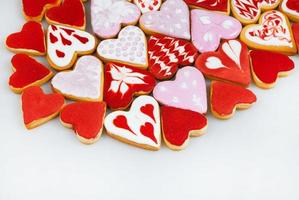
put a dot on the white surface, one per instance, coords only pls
(253, 156)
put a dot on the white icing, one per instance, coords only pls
(233, 49)
(214, 63)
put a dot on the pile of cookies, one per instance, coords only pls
(147, 60)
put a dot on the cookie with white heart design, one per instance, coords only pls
(65, 44)
(291, 9)
(148, 5)
(171, 20)
(84, 83)
(273, 33)
(129, 48)
(222, 6)
(139, 127)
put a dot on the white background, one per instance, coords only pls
(253, 156)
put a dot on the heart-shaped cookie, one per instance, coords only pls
(267, 66)
(130, 48)
(148, 5)
(291, 9)
(64, 44)
(85, 118)
(84, 83)
(140, 126)
(27, 72)
(229, 63)
(249, 11)
(107, 16)
(166, 54)
(187, 91)
(179, 124)
(69, 13)
(30, 40)
(38, 108)
(35, 10)
(172, 20)
(226, 98)
(213, 5)
(273, 33)
(122, 82)
(207, 28)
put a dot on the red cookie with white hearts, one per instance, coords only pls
(86, 119)
(148, 5)
(295, 29)
(35, 9)
(65, 44)
(166, 54)
(222, 6)
(30, 40)
(38, 108)
(70, 13)
(267, 66)
(139, 127)
(179, 124)
(273, 33)
(27, 72)
(226, 98)
(291, 9)
(122, 82)
(230, 63)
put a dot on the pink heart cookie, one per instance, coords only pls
(107, 16)
(148, 5)
(187, 91)
(208, 28)
(172, 20)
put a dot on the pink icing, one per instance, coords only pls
(187, 91)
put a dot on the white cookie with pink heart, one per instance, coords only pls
(84, 83)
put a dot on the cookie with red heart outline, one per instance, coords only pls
(222, 6)
(65, 44)
(139, 127)
(166, 54)
(230, 63)
(178, 125)
(273, 33)
(27, 72)
(291, 9)
(295, 29)
(148, 5)
(84, 82)
(123, 82)
(267, 66)
(226, 98)
(30, 40)
(70, 13)
(249, 11)
(86, 119)
(38, 107)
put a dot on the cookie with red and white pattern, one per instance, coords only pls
(148, 5)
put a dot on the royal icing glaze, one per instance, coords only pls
(34, 10)
(207, 28)
(175, 23)
(130, 47)
(291, 8)
(139, 126)
(107, 16)
(65, 43)
(85, 82)
(166, 54)
(295, 29)
(148, 5)
(214, 5)
(187, 91)
(122, 82)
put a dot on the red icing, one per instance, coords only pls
(163, 49)
(70, 12)
(117, 100)
(60, 54)
(31, 37)
(86, 118)
(266, 65)
(226, 96)
(295, 28)
(68, 31)
(293, 5)
(148, 109)
(122, 122)
(232, 72)
(147, 130)
(53, 39)
(35, 8)
(37, 105)
(27, 71)
(177, 124)
(65, 41)
(216, 5)
(83, 40)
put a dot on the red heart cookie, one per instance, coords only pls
(30, 40)
(267, 66)
(295, 28)
(38, 108)
(291, 9)
(226, 98)
(122, 82)
(214, 5)
(230, 63)
(166, 54)
(179, 124)
(69, 13)
(28, 72)
(35, 9)
(86, 118)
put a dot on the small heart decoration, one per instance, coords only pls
(148, 5)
